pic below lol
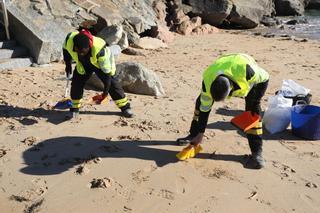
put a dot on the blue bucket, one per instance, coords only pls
(305, 121)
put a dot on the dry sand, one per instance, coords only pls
(105, 163)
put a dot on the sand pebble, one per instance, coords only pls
(29, 140)
(101, 183)
(82, 170)
(2, 152)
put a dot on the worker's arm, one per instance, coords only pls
(67, 60)
(67, 57)
(204, 109)
(105, 61)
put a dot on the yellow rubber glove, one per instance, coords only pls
(189, 152)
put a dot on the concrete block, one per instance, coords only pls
(28, 35)
(43, 40)
(13, 53)
(9, 44)
(15, 63)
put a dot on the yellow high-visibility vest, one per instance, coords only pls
(232, 66)
(106, 63)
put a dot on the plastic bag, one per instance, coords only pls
(290, 88)
(278, 115)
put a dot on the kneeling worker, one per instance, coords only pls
(235, 75)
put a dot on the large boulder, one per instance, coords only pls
(248, 14)
(134, 78)
(243, 13)
(211, 12)
(289, 7)
(137, 79)
(313, 4)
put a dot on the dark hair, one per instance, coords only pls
(220, 88)
(81, 41)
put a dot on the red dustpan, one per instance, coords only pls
(245, 121)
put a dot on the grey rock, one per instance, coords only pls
(124, 43)
(111, 34)
(289, 7)
(313, 4)
(15, 63)
(248, 15)
(9, 44)
(269, 21)
(137, 24)
(13, 53)
(212, 12)
(137, 79)
(131, 51)
(241, 12)
(134, 78)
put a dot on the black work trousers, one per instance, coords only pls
(253, 104)
(78, 82)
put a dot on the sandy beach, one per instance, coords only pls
(105, 163)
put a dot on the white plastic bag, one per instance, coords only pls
(278, 115)
(290, 88)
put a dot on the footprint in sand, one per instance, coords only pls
(217, 173)
(163, 193)
(311, 185)
(29, 141)
(121, 122)
(285, 171)
(3, 152)
(105, 182)
(34, 207)
(35, 192)
(143, 175)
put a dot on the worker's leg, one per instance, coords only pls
(254, 135)
(118, 96)
(77, 86)
(194, 128)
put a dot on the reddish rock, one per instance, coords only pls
(204, 30)
(186, 27)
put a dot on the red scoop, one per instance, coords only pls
(245, 120)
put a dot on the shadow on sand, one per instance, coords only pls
(53, 116)
(57, 155)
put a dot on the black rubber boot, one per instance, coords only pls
(127, 113)
(255, 160)
(184, 141)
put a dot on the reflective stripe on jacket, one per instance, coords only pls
(232, 66)
(105, 62)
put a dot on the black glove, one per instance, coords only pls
(68, 70)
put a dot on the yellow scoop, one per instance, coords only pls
(189, 152)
